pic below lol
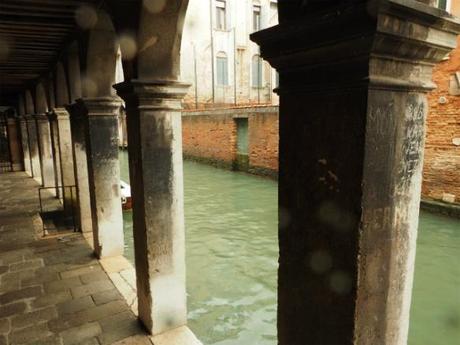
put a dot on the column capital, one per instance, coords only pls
(101, 106)
(58, 114)
(153, 94)
(400, 40)
(41, 117)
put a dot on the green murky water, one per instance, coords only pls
(231, 233)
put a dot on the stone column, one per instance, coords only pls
(61, 116)
(155, 160)
(352, 116)
(103, 173)
(45, 149)
(33, 148)
(78, 127)
(54, 133)
(15, 143)
(25, 145)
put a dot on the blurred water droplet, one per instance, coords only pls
(154, 6)
(340, 282)
(89, 86)
(128, 46)
(86, 17)
(321, 262)
(332, 214)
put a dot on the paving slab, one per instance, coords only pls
(53, 290)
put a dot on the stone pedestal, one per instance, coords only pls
(15, 143)
(352, 113)
(103, 173)
(78, 123)
(64, 149)
(34, 152)
(25, 145)
(46, 152)
(155, 160)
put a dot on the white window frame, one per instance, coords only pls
(222, 80)
(448, 5)
(259, 69)
(256, 9)
(220, 9)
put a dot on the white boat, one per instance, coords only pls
(126, 201)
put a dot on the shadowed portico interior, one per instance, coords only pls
(353, 78)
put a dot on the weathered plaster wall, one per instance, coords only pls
(210, 136)
(441, 173)
(234, 42)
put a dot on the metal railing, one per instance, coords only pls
(63, 214)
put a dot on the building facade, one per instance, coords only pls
(441, 171)
(212, 135)
(219, 60)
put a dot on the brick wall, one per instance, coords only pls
(442, 158)
(210, 136)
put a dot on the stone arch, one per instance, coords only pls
(62, 92)
(29, 102)
(41, 102)
(100, 59)
(73, 67)
(154, 30)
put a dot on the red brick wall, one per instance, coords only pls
(263, 141)
(442, 158)
(210, 135)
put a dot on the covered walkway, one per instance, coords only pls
(52, 289)
(353, 79)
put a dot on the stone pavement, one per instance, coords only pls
(52, 289)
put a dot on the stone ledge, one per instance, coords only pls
(452, 210)
(123, 275)
(179, 336)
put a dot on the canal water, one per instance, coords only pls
(231, 244)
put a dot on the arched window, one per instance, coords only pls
(256, 71)
(222, 68)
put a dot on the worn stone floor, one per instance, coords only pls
(52, 289)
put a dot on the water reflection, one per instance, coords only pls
(231, 234)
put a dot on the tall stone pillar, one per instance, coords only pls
(103, 173)
(352, 122)
(25, 145)
(68, 190)
(155, 160)
(45, 149)
(15, 143)
(33, 149)
(78, 127)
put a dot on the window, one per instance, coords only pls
(256, 18)
(444, 5)
(256, 71)
(222, 69)
(221, 15)
(454, 84)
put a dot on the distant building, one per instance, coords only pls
(218, 59)
(441, 173)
